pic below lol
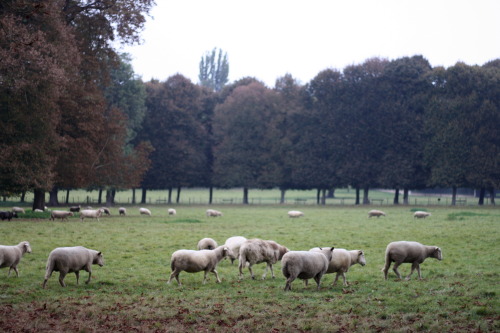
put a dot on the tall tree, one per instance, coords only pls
(214, 70)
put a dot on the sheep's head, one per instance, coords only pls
(27, 247)
(99, 259)
(437, 253)
(361, 258)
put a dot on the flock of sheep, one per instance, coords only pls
(304, 265)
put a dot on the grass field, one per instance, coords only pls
(130, 293)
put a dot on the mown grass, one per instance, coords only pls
(130, 292)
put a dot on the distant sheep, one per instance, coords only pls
(172, 211)
(60, 214)
(10, 255)
(122, 211)
(295, 213)
(409, 252)
(106, 211)
(144, 211)
(196, 261)
(91, 213)
(207, 244)
(38, 210)
(213, 213)
(256, 251)
(305, 265)
(234, 243)
(421, 214)
(75, 209)
(18, 210)
(341, 260)
(377, 213)
(7, 215)
(72, 260)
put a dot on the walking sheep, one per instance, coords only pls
(91, 213)
(207, 244)
(408, 252)
(10, 255)
(213, 213)
(295, 213)
(196, 261)
(421, 214)
(18, 210)
(341, 260)
(305, 265)
(72, 260)
(234, 243)
(172, 211)
(75, 209)
(144, 211)
(256, 251)
(60, 214)
(377, 213)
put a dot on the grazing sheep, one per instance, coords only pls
(7, 215)
(38, 210)
(10, 256)
(91, 213)
(341, 260)
(144, 211)
(60, 214)
(18, 210)
(75, 209)
(213, 213)
(377, 213)
(172, 211)
(72, 260)
(256, 251)
(421, 214)
(196, 261)
(295, 213)
(105, 210)
(122, 211)
(408, 252)
(234, 244)
(305, 265)
(207, 244)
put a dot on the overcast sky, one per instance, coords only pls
(268, 39)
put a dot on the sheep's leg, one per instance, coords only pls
(336, 278)
(268, 266)
(386, 268)
(205, 277)
(216, 275)
(251, 271)
(418, 271)
(317, 278)
(175, 274)
(62, 274)
(345, 280)
(240, 267)
(395, 269)
(288, 285)
(413, 267)
(306, 282)
(77, 273)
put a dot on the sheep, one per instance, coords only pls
(376, 213)
(106, 211)
(75, 209)
(421, 215)
(60, 214)
(91, 213)
(7, 215)
(207, 244)
(256, 251)
(305, 265)
(295, 213)
(172, 211)
(10, 256)
(409, 252)
(341, 260)
(192, 261)
(144, 211)
(234, 244)
(213, 213)
(38, 210)
(18, 210)
(72, 260)
(122, 211)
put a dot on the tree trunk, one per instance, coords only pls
(169, 195)
(67, 196)
(39, 199)
(357, 196)
(245, 195)
(109, 198)
(99, 198)
(282, 196)
(143, 197)
(113, 194)
(210, 195)
(178, 195)
(133, 196)
(492, 195)
(406, 199)
(454, 196)
(366, 200)
(331, 193)
(323, 197)
(318, 196)
(482, 192)
(396, 196)
(53, 201)
(23, 196)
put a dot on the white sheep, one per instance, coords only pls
(91, 213)
(144, 211)
(18, 210)
(408, 252)
(213, 213)
(122, 211)
(192, 261)
(60, 214)
(207, 244)
(295, 213)
(72, 260)
(341, 260)
(10, 255)
(38, 210)
(172, 211)
(375, 212)
(421, 214)
(256, 251)
(106, 210)
(305, 265)
(234, 244)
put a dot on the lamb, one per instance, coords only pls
(376, 213)
(91, 213)
(38, 210)
(409, 252)
(60, 214)
(172, 211)
(75, 209)
(196, 261)
(295, 213)
(105, 210)
(10, 256)
(122, 211)
(421, 214)
(7, 215)
(234, 244)
(207, 244)
(256, 251)
(18, 210)
(341, 260)
(305, 265)
(72, 260)
(213, 213)
(144, 211)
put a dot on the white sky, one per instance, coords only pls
(267, 39)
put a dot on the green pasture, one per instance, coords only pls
(130, 293)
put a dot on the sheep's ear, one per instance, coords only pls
(320, 249)
(99, 254)
(360, 252)
(332, 248)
